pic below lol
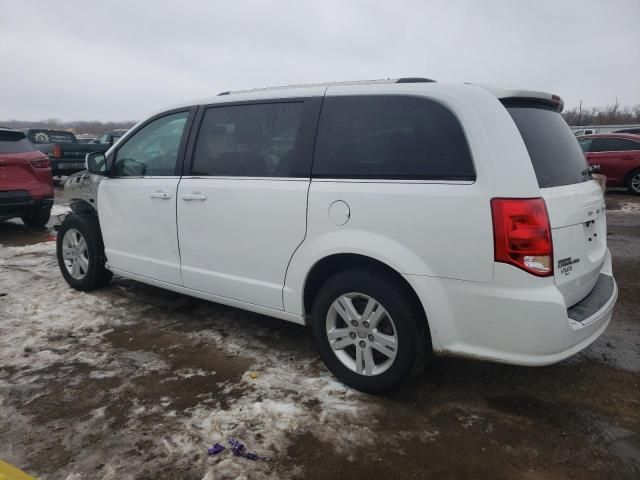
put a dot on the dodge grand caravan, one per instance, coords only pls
(397, 218)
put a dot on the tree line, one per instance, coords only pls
(609, 115)
(91, 127)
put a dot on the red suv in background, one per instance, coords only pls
(618, 155)
(26, 185)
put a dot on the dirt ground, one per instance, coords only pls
(135, 382)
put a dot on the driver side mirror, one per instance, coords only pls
(96, 163)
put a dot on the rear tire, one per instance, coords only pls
(80, 253)
(38, 217)
(370, 350)
(633, 182)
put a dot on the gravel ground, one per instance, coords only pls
(135, 382)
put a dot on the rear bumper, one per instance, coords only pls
(512, 319)
(66, 167)
(15, 203)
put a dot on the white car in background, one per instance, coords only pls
(397, 218)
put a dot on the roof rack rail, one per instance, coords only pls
(414, 80)
(328, 84)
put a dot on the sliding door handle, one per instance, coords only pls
(188, 197)
(162, 195)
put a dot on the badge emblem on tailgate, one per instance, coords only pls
(565, 265)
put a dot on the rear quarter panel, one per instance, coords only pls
(17, 173)
(611, 166)
(434, 229)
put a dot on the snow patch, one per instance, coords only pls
(58, 209)
(626, 207)
(45, 323)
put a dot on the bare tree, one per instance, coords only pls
(609, 115)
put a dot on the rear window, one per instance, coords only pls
(555, 153)
(390, 137)
(14, 142)
(51, 136)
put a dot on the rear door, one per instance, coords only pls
(137, 203)
(616, 157)
(242, 209)
(574, 202)
(16, 152)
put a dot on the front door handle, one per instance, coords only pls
(188, 197)
(162, 195)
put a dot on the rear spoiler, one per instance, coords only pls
(510, 95)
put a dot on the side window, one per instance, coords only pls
(391, 137)
(614, 145)
(585, 144)
(626, 145)
(256, 140)
(599, 145)
(153, 150)
(103, 139)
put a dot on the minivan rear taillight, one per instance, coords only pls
(41, 163)
(57, 151)
(522, 235)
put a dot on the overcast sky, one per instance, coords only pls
(121, 60)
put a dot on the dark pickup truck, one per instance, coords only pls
(62, 147)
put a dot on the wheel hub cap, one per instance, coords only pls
(361, 334)
(75, 254)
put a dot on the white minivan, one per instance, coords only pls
(398, 218)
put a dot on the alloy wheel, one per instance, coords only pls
(75, 253)
(635, 183)
(361, 334)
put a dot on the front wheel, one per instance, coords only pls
(38, 217)
(633, 182)
(80, 253)
(368, 330)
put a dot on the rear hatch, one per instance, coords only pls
(575, 203)
(16, 155)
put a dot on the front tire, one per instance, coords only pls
(37, 218)
(368, 330)
(633, 182)
(80, 253)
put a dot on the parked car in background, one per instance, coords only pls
(618, 155)
(66, 153)
(579, 130)
(585, 131)
(26, 184)
(109, 138)
(85, 138)
(454, 219)
(634, 131)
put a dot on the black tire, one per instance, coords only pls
(96, 275)
(631, 179)
(38, 217)
(409, 322)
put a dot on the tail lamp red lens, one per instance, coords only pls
(522, 235)
(41, 163)
(57, 151)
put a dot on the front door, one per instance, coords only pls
(137, 203)
(242, 209)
